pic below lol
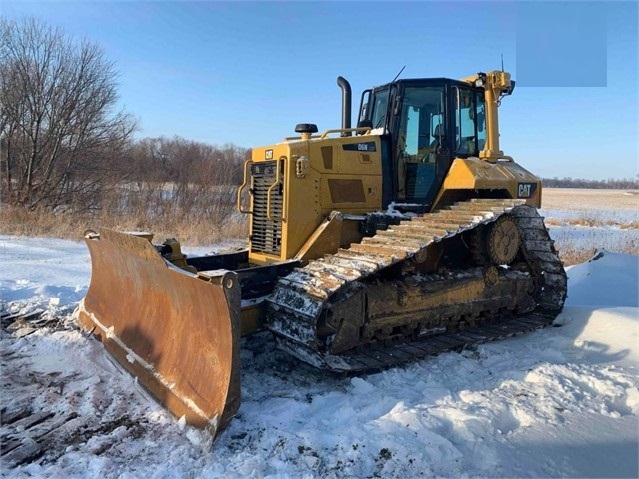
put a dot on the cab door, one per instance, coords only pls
(421, 141)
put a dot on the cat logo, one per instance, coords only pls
(526, 190)
(268, 155)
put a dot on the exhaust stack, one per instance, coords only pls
(346, 104)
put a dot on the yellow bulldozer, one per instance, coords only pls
(369, 246)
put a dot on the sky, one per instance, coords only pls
(247, 72)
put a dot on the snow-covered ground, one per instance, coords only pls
(585, 238)
(562, 401)
(581, 219)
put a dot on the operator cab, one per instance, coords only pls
(424, 124)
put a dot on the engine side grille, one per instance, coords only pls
(266, 235)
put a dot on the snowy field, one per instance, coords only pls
(588, 219)
(605, 206)
(562, 401)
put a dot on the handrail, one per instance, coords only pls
(270, 189)
(345, 130)
(242, 186)
(288, 138)
(335, 130)
(495, 160)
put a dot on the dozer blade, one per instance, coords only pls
(177, 332)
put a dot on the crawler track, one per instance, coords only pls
(302, 300)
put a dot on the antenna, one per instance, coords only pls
(502, 62)
(400, 72)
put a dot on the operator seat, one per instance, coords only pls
(438, 140)
(439, 136)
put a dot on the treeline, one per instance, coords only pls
(611, 184)
(179, 177)
(185, 162)
(66, 147)
(61, 137)
(69, 158)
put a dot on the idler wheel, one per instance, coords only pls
(503, 241)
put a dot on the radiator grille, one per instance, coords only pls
(266, 235)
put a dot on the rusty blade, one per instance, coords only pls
(177, 333)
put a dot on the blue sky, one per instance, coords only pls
(247, 72)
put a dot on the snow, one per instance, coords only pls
(594, 215)
(562, 401)
(581, 238)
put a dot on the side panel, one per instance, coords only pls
(352, 181)
(316, 177)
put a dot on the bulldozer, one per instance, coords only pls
(407, 235)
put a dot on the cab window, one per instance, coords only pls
(421, 123)
(480, 121)
(470, 119)
(380, 106)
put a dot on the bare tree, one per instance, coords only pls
(61, 140)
